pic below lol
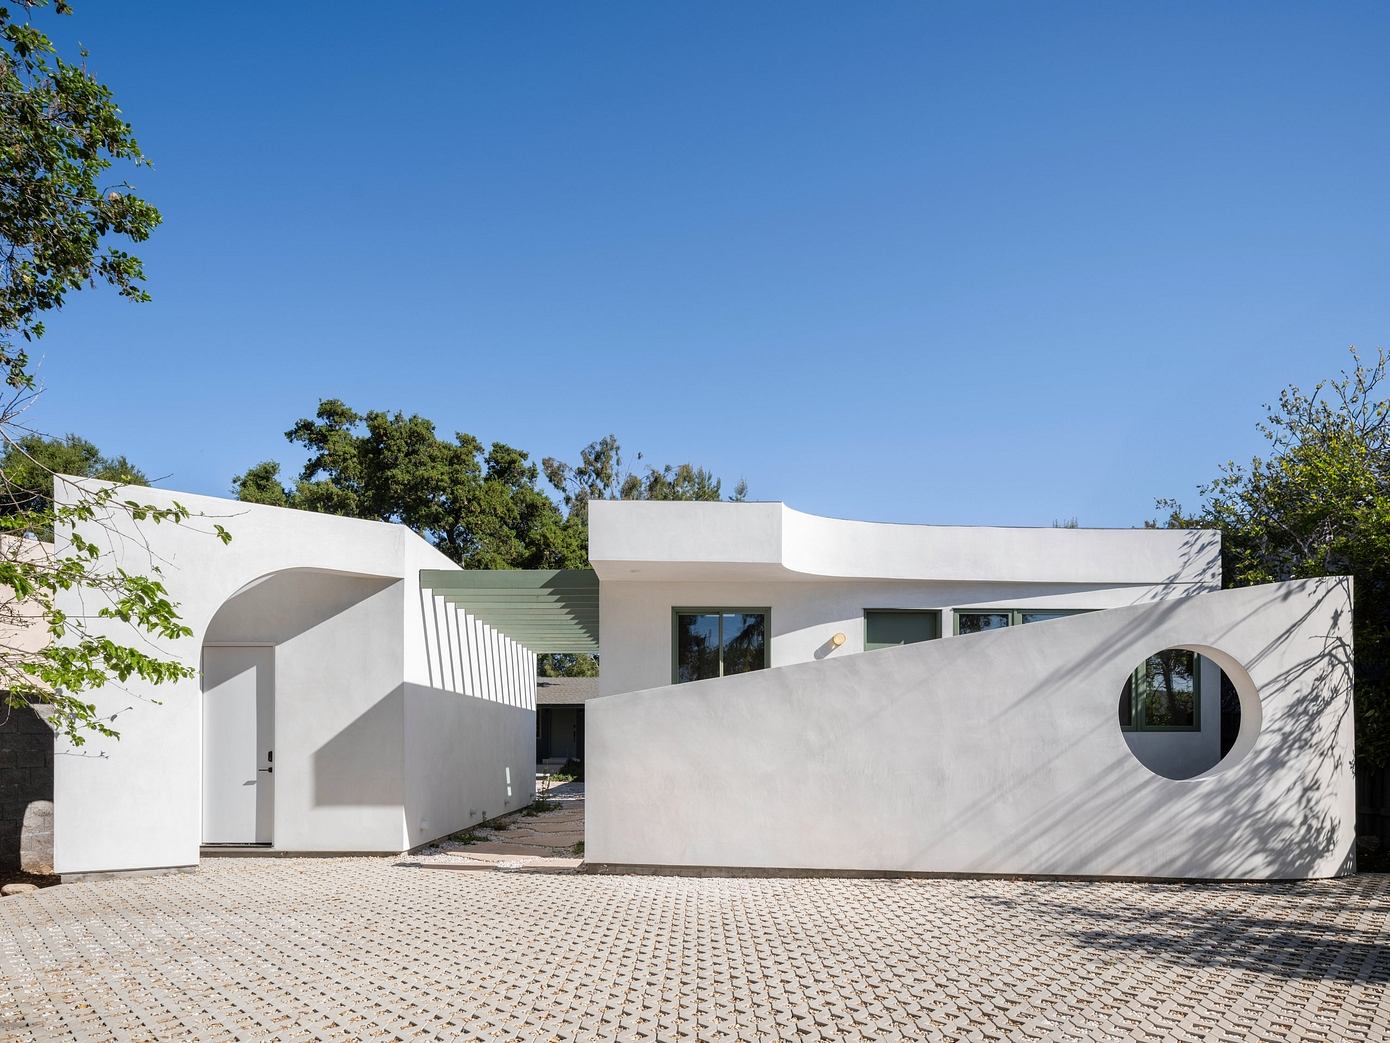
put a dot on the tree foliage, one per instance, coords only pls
(59, 225)
(481, 507)
(1318, 504)
(62, 230)
(601, 475)
(29, 462)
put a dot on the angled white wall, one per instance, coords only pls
(994, 753)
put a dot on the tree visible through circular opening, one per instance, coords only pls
(1179, 713)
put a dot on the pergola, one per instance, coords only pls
(547, 610)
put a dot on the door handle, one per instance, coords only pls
(268, 771)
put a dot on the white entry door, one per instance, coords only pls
(238, 743)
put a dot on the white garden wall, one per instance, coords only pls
(994, 753)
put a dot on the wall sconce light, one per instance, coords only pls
(837, 640)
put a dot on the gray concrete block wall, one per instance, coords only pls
(26, 791)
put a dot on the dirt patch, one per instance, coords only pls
(14, 876)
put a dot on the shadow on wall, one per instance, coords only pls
(468, 657)
(1253, 816)
(361, 765)
(998, 752)
(283, 605)
(1200, 553)
(329, 648)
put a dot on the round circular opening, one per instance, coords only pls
(1180, 713)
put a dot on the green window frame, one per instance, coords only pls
(721, 612)
(1016, 616)
(1137, 704)
(933, 614)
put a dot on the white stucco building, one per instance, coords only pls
(940, 699)
(337, 707)
(778, 691)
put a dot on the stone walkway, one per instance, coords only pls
(370, 949)
(550, 841)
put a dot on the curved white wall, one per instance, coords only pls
(994, 753)
(633, 539)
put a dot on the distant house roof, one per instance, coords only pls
(565, 691)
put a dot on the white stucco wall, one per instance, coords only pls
(360, 716)
(994, 753)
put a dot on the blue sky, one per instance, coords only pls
(974, 263)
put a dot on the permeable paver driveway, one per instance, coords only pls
(363, 949)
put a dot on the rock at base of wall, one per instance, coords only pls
(17, 889)
(36, 839)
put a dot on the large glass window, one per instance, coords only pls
(888, 627)
(1164, 693)
(714, 642)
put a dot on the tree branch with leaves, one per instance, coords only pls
(1318, 504)
(63, 229)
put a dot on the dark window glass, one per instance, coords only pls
(977, 622)
(1038, 617)
(697, 646)
(1166, 689)
(886, 629)
(745, 642)
(712, 644)
(1165, 692)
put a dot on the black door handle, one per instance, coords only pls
(268, 771)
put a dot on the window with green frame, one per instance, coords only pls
(1164, 694)
(716, 642)
(890, 627)
(978, 620)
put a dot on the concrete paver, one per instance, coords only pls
(373, 949)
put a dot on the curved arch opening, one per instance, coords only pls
(281, 630)
(1189, 712)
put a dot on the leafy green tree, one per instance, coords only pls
(480, 507)
(28, 464)
(1318, 504)
(601, 475)
(62, 132)
(62, 230)
(567, 664)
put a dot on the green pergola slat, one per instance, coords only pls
(503, 579)
(547, 610)
(538, 601)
